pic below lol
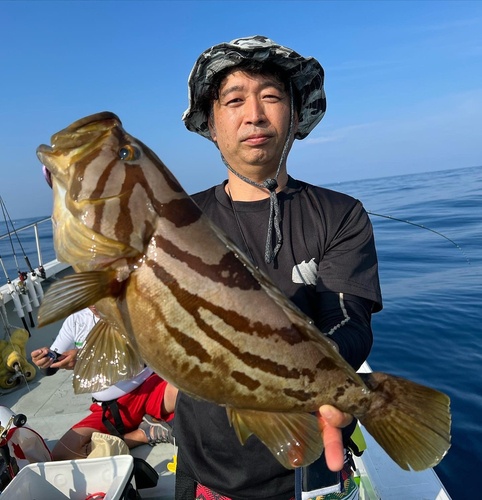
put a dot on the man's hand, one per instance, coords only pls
(40, 358)
(331, 422)
(66, 360)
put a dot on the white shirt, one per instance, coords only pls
(74, 331)
(73, 334)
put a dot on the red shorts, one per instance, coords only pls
(203, 493)
(147, 398)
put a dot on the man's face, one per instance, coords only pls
(251, 121)
(94, 310)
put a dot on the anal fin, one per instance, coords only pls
(294, 439)
(106, 358)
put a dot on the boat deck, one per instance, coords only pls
(52, 408)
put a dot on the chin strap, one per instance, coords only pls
(271, 185)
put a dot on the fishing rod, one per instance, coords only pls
(9, 236)
(23, 276)
(15, 297)
(423, 227)
(4, 208)
(31, 278)
(4, 316)
(40, 267)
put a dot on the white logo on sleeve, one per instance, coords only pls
(306, 272)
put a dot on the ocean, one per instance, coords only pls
(430, 328)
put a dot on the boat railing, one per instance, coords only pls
(33, 225)
(28, 226)
(26, 290)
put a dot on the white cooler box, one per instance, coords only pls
(72, 479)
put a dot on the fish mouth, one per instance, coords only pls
(75, 141)
(47, 175)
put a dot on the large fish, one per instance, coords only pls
(174, 292)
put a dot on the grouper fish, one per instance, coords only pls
(176, 294)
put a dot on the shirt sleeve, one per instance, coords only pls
(349, 264)
(66, 337)
(346, 319)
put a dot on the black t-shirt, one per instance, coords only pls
(328, 246)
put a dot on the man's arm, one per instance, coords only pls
(66, 360)
(45, 358)
(346, 319)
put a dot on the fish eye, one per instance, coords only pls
(129, 153)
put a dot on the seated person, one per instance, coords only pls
(137, 410)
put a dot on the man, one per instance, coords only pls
(252, 98)
(136, 409)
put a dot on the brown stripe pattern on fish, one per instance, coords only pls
(174, 292)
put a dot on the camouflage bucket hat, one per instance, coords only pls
(306, 75)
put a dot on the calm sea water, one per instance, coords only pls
(430, 328)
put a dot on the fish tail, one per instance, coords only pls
(410, 421)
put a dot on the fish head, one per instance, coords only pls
(71, 147)
(106, 186)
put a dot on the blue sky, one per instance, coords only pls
(403, 83)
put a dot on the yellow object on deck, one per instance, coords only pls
(13, 360)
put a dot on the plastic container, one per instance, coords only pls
(72, 479)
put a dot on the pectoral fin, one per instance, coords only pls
(75, 292)
(294, 439)
(106, 358)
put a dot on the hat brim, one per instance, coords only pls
(306, 74)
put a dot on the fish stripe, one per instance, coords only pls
(124, 226)
(327, 364)
(243, 379)
(98, 215)
(80, 166)
(192, 303)
(300, 395)
(251, 360)
(180, 211)
(215, 273)
(230, 272)
(191, 347)
(171, 182)
(101, 183)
